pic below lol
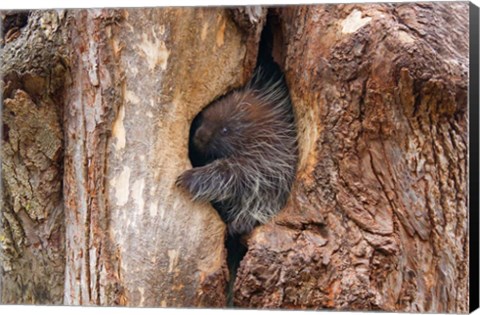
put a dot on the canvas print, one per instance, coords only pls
(307, 157)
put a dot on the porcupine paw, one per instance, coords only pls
(183, 181)
(186, 182)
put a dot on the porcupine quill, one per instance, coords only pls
(245, 149)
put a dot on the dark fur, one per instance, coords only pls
(246, 142)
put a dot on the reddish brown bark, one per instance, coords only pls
(378, 216)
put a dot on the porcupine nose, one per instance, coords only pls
(201, 137)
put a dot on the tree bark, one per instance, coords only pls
(32, 216)
(378, 215)
(96, 116)
(138, 79)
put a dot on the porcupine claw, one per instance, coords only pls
(184, 181)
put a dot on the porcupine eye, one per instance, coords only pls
(224, 131)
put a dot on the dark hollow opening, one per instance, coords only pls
(13, 21)
(236, 247)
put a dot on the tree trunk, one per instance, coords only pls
(378, 214)
(97, 109)
(33, 230)
(137, 81)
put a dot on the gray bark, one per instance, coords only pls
(32, 216)
(132, 237)
(96, 114)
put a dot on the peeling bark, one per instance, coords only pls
(32, 230)
(96, 116)
(378, 216)
(132, 239)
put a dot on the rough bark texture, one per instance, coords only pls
(138, 78)
(378, 216)
(96, 115)
(32, 229)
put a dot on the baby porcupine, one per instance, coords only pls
(246, 146)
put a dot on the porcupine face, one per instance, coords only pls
(225, 126)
